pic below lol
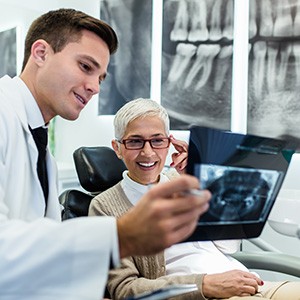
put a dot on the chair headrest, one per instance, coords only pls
(98, 168)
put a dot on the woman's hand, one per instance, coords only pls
(179, 158)
(230, 283)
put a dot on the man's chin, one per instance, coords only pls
(71, 117)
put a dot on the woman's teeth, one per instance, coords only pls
(147, 165)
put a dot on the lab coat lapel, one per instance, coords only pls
(16, 101)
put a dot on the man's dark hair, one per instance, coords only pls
(59, 27)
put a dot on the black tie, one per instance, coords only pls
(40, 136)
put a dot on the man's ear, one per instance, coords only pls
(39, 51)
(116, 148)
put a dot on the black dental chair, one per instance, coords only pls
(98, 168)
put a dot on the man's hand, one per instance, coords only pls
(165, 215)
(179, 158)
(229, 284)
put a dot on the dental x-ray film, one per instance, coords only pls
(244, 173)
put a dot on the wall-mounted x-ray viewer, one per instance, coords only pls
(244, 173)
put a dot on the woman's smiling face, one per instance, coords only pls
(144, 165)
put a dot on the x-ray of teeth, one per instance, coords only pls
(238, 194)
(244, 174)
(129, 71)
(8, 52)
(265, 16)
(283, 23)
(296, 24)
(187, 25)
(259, 52)
(222, 66)
(196, 85)
(215, 32)
(272, 50)
(180, 29)
(198, 21)
(197, 51)
(228, 20)
(273, 81)
(252, 20)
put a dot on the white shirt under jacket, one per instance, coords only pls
(41, 257)
(206, 257)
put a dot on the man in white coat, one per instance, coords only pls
(66, 57)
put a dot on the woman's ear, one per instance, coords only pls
(117, 148)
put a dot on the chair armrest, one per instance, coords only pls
(271, 261)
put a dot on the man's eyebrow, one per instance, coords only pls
(92, 60)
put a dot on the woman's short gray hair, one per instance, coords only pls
(138, 108)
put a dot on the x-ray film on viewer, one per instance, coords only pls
(244, 174)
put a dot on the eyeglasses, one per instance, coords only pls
(137, 144)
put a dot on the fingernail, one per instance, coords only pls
(172, 164)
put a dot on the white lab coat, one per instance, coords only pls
(42, 258)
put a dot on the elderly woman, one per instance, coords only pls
(142, 141)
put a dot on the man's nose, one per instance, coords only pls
(93, 86)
